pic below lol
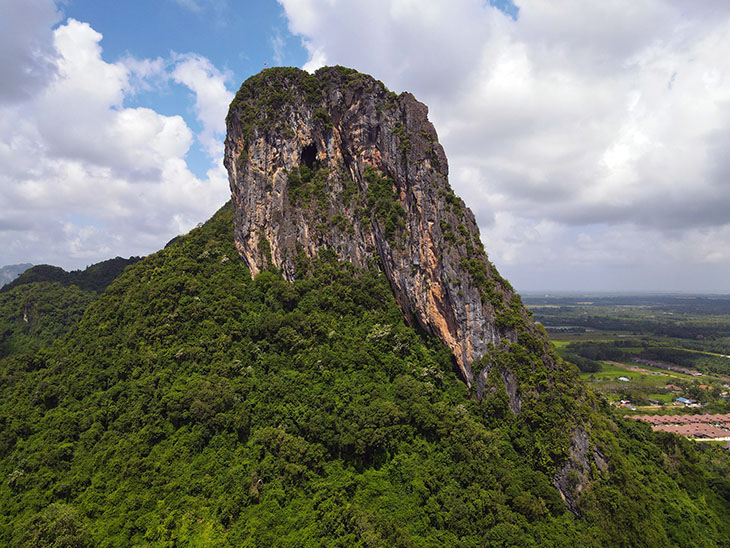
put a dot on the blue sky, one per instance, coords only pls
(238, 40)
(236, 37)
(589, 138)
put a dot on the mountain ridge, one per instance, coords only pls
(194, 405)
(95, 277)
(44, 302)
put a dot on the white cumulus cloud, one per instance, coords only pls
(26, 47)
(212, 98)
(590, 134)
(82, 177)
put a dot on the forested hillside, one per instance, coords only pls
(45, 301)
(194, 406)
(34, 315)
(96, 277)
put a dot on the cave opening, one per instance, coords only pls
(308, 156)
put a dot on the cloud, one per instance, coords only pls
(84, 177)
(211, 98)
(600, 118)
(192, 5)
(80, 115)
(277, 45)
(198, 6)
(26, 48)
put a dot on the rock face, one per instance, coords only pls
(335, 160)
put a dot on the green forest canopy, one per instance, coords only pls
(194, 406)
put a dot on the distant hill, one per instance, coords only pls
(45, 301)
(9, 272)
(96, 277)
(35, 314)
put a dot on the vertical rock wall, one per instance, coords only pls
(335, 160)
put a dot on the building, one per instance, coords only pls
(706, 426)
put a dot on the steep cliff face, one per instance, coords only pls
(335, 160)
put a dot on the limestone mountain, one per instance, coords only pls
(335, 160)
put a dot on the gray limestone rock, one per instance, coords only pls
(335, 160)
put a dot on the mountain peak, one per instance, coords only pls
(334, 160)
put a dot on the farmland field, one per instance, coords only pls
(662, 346)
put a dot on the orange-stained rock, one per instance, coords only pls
(354, 133)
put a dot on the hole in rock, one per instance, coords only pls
(309, 156)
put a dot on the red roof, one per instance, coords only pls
(697, 430)
(705, 426)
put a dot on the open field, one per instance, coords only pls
(650, 381)
(591, 335)
(604, 335)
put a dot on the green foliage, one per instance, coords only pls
(195, 406)
(324, 119)
(404, 141)
(305, 183)
(56, 526)
(455, 203)
(513, 316)
(586, 365)
(349, 189)
(482, 277)
(698, 323)
(261, 104)
(448, 233)
(625, 349)
(262, 99)
(45, 302)
(596, 350)
(34, 314)
(382, 200)
(95, 278)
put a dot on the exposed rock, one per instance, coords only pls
(512, 386)
(481, 381)
(600, 460)
(335, 160)
(574, 476)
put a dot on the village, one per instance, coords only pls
(668, 397)
(715, 427)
